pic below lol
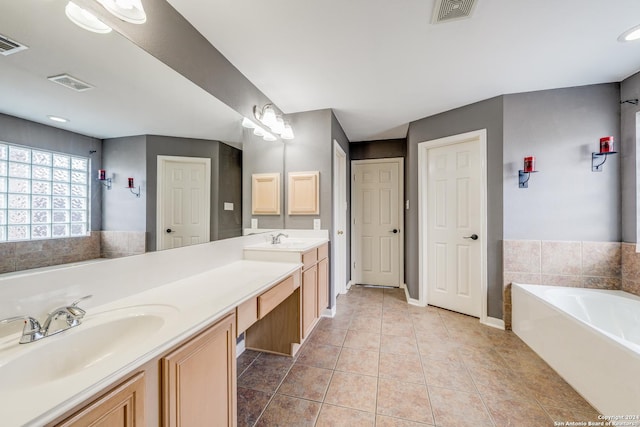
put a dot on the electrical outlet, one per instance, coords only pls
(316, 224)
(254, 222)
(228, 206)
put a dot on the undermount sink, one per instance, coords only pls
(98, 338)
(286, 243)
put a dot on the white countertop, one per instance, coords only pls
(289, 244)
(186, 306)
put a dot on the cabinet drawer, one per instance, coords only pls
(323, 251)
(247, 314)
(274, 296)
(309, 258)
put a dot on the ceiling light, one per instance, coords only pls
(258, 131)
(85, 19)
(127, 10)
(58, 119)
(246, 123)
(630, 35)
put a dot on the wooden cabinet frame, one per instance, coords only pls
(304, 193)
(265, 194)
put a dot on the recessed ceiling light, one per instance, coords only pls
(630, 35)
(58, 119)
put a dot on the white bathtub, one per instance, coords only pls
(590, 337)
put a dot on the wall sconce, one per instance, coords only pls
(525, 174)
(268, 117)
(606, 148)
(102, 178)
(131, 186)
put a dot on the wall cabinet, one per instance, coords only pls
(304, 194)
(265, 194)
(122, 406)
(199, 379)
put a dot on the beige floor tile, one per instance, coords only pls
(366, 323)
(362, 340)
(251, 403)
(244, 360)
(352, 391)
(384, 421)
(398, 328)
(264, 374)
(398, 345)
(358, 361)
(339, 321)
(306, 382)
(458, 408)
(520, 413)
(441, 373)
(562, 415)
(333, 337)
(289, 411)
(441, 349)
(332, 416)
(408, 401)
(401, 368)
(320, 356)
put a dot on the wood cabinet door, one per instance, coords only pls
(323, 285)
(123, 406)
(309, 299)
(199, 379)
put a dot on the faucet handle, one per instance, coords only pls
(31, 331)
(75, 303)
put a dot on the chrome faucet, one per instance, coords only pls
(275, 240)
(32, 330)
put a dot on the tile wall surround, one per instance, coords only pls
(116, 244)
(19, 256)
(630, 269)
(595, 265)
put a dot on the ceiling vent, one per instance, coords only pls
(8, 46)
(71, 82)
(451, 10)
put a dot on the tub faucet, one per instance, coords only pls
(275, 240)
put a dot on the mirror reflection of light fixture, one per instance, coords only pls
(246, 123)
(127, 10)
(268, 117)
(85, 19)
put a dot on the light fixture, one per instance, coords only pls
(85, 19)
(131, 186)
(525, 174)
(606, 148)
(269, 137)
(102, 178)
(268, 117)
(58, 119)
(127, 10)
(246, 123)
(630, 35)
(258, 131)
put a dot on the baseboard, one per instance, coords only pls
(494, 323)
(329, 312)
(240, 348)
(410, 301)
(349, 284)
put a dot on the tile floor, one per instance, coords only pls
(382, 362)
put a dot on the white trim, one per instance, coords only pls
(494, 322)
(340, 284)
(161, 160)
(329, 312)
(350, 283)
(423, 147)
(411, 301)
(400, 162)
(240, 348)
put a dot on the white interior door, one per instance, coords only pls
(377, 222)
(340, 216)
(184, 201)
(454, 227)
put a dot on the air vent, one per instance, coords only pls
(70, 82)
(8, 46)
(451, 10)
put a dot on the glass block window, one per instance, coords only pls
(43, 195)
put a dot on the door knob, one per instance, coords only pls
(395, 231)
(169, 230)
(340, 232)
(472, 237)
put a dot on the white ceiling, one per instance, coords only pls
(381, 64)
(134, 93)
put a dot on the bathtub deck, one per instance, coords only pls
(383, 362)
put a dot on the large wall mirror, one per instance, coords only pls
(136, 110)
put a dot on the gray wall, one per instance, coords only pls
(629, 89)
(185, 147)
(389, 148)
(565, 200)
(24, 132)
(229, 184)
(488, 115)
(123, 158)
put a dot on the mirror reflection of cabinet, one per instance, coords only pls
(265, 194)
(304, 197)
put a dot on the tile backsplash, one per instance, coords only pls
(117, 244)
(559, 263)
(630, 269)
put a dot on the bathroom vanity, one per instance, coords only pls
(160, 349)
